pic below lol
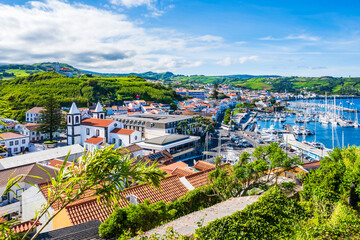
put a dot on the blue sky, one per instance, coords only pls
(303, 38)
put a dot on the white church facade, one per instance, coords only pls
(95, 132)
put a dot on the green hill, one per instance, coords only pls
(23, 70)
(23, 93)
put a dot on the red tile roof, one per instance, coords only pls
(182, 172)
(56, 163)
(171, 189)
(36, 110)
(123, 131)
(202, 165)
(133, 148)
(95, 140)
(96, 122)
(32, 126)
(169, 168)
(199, 179)
(24, 226)
(10, 135)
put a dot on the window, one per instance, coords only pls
(135, 137)
(17, 142)
(69, 119)
(23, 141)
(15, 149)
(87, 131)
(97, 132)
(77, 119)
(33, 133)
(11, 143)
(113, 140)
(120, 142)
(115, 124)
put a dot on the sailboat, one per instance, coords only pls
(356, 123)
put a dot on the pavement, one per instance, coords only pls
(227, 147)
(187, 225)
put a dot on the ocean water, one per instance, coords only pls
(348, 136)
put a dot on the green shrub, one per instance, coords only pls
(130, 220)
(272, 217)
(344, 223)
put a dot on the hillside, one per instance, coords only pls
(21, 94)
(23, 70)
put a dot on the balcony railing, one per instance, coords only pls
(10, 208)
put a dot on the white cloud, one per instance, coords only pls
(291, 37)
(231, 61)
(210, 38)
(247, 59)
(91, 38)
(302, 37)
(132, 3)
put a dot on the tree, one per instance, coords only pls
(250, 172)
(227, 116)
(99, 174)
(173, 106)
(50, 118)
(215, 93)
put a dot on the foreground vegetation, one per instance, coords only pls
(327, 207)
(23, 93)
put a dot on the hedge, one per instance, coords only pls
(272, 217)
(128, 221)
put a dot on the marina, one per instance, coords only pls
(310, 128)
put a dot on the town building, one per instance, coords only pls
(96, 132)
(152, 125)
(192, 93)
(74, 152)
(10, 203)
(181, 147)
(31, 130)
(33, 115)
(80, 211)
(13, 142)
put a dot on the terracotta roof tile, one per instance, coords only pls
(24, 226)
(202, 165)
(11, 135)
(94, 140)
(169, 168)
(171, 189)
(182, 172)
(133, 148)
(97, 122)
(32, 126)
(123, 131)
(56, 163)
(199, 179)
(36, 110)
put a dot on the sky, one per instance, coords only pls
(288, 38)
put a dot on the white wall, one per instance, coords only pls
(154, 132)
(32, 199)
(18, 146)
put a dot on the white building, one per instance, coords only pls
(181, 147)
(13, 142)
(10, 203)
(74, 151)
(31, 130)
(33, 115)
(96, 132)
